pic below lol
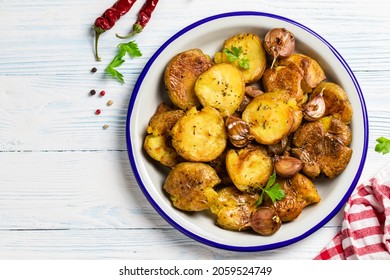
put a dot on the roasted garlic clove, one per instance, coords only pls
(287, 166)
(278, 148)
(265, 221)
(315, 108)
(238, 131)
(253, 91)
(279, 42)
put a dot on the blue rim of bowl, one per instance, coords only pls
(204, 240)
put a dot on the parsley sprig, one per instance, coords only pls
(130, 48)
(237, 53)
(272, 189)
(383, 145)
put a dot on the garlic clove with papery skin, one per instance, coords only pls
(287, 166)
(315, 108)
(238, 131)
(279, 42)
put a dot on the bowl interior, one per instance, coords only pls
(209, 35)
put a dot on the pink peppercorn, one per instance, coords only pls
(102, 93)
(98, 111)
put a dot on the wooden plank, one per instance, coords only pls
(139, 244)
(66, 188)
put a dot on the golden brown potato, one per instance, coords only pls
(336, 101)
(306, 191)
(249, 168)
(156, 143)
(180, 76)
(157, 148)
(287, 77)
(270, 118)
(299, 193)
(313, 73)
(326, 143)
(163, 120)
(252, 50)
(284, 96)
(191, 186)
(200, 135)
(234, 208)
(222, 87)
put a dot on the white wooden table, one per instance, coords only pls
(66, 187)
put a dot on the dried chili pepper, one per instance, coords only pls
(144, 16)
(108, 19)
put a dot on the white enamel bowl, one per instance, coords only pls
(208, 34)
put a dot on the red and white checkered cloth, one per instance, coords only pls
(365, 231)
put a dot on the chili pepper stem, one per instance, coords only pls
(98, 32)
(137, 28)
(127, 36)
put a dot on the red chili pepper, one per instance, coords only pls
(108, 19)
(144, 16)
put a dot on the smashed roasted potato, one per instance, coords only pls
(191, 186)
(323, 145)
(249, 131)
(312, 72)
(299, 193)
(157, 141)
(247, 53)
(271, 117)
(234, 208)
(337, 103)
(196, 128)
(287, 78)
(181, 74)
(222, 87)
(249, 167)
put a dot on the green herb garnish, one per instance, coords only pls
(237, 53)
(383, 145)
(272, 189)
(130, 48)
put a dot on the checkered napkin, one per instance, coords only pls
(365, 231)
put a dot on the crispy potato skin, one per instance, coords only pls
(336, 101)
(252, 49)
(299, 193)
(180, 76)
(234, 208)
(324, 146)
(157, 141)
(157, 148)
(313, 73)
(288, 77)
(222, 87)
(163, 120)
(249, 168)
(306, 191)
(190, 186)
(200, 136)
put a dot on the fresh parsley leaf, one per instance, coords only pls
(383, 145)
(233, 54)
(237, 53)
(115, 74)
(272, 189)
(244, 63)
(275, 192)
(116, 62)
(130, 48)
